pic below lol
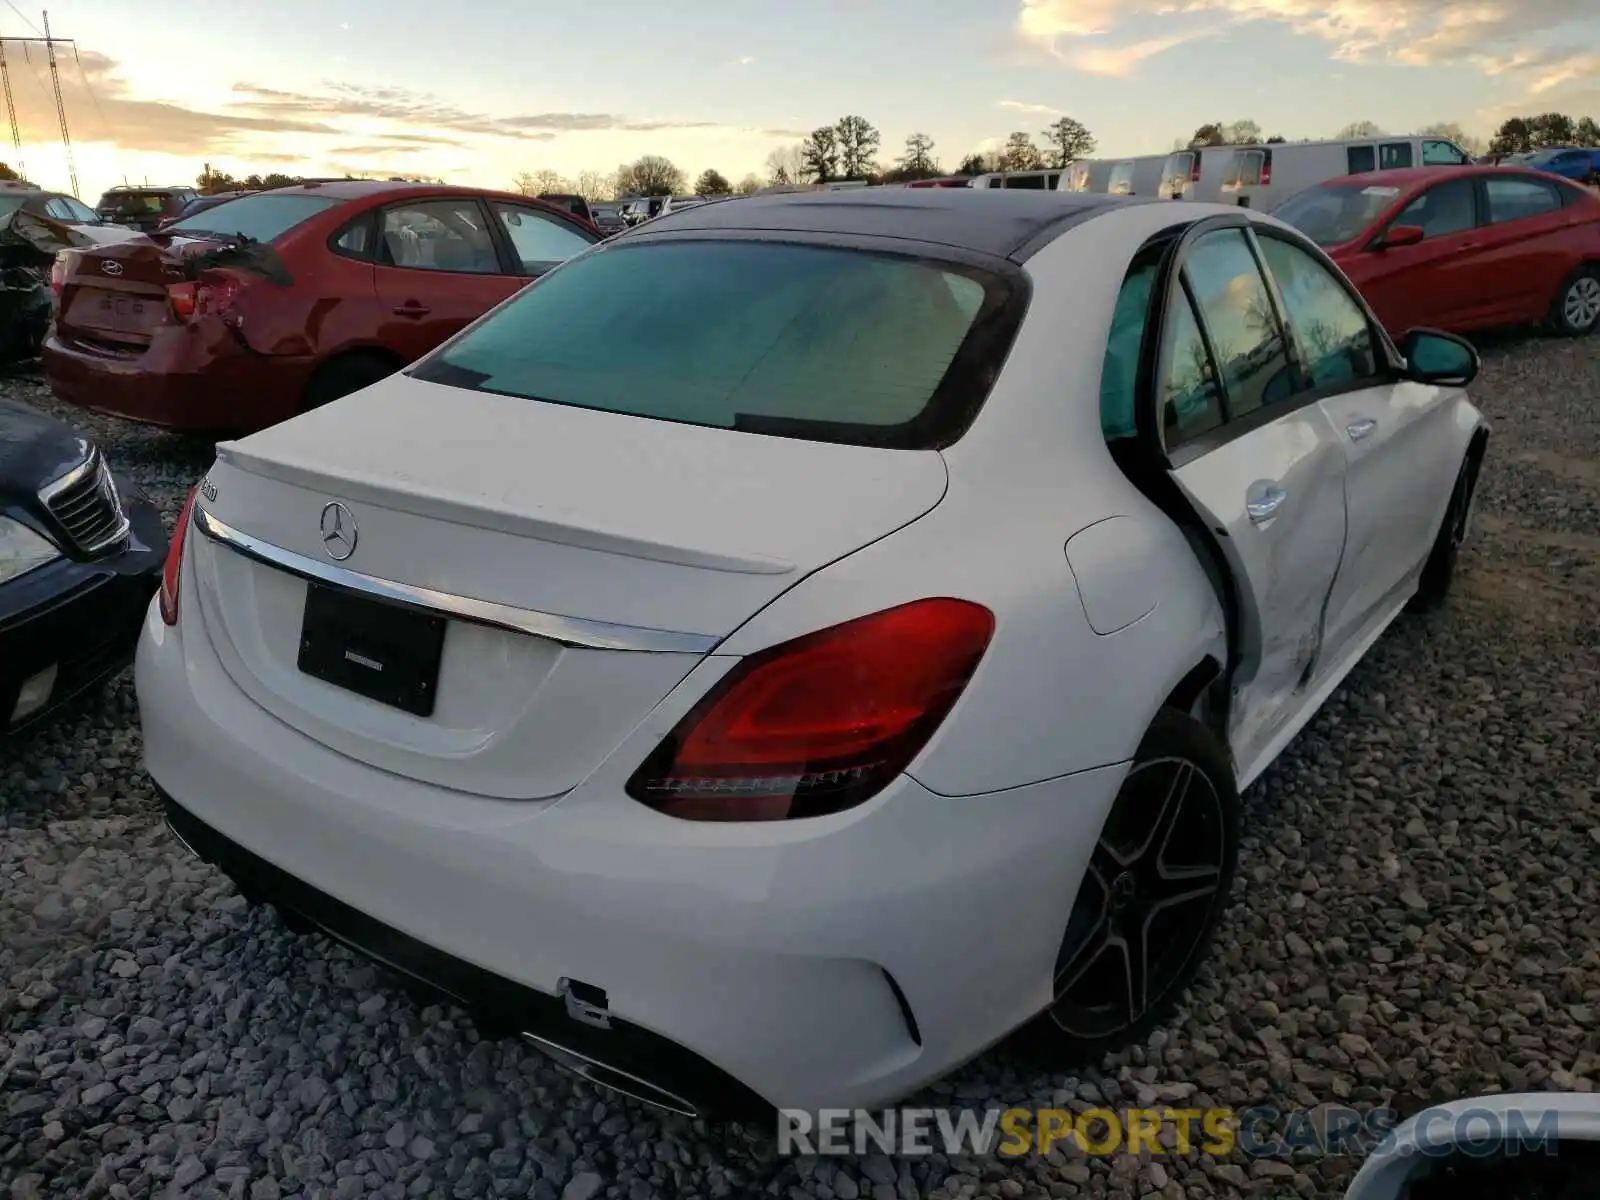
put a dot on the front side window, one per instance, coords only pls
(538, 241)
(1330, 330)
(1392, 155)
(1238, 316)
(1519, 199)
(1443, 210)
(1360, 159)
(261, 218)
(438, 235)
(1436, 153)
(801, 341)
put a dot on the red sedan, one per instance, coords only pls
(1461, 248)
(274, 303)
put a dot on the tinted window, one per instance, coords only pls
(1361, 159)
(801, 341)
(438, 235)
(1445, 209)
(1036, 182)
(1240, 321)
(1329, 328)
(355, 239)
(539, 241)
(1332, 215)
(1443, 154)
(134, 204)
(260, 218)
(1518, 199)
(1119, 374)
(1190, 402)
(1394, 154)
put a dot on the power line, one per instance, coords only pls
(61, 107)
(24, 19)
(105, 125)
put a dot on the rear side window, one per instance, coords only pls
(1519, 199)
(1392, 155)
(261, 218)
(793, 340)
(539, 241)
(1359, 160)
(1035, 182)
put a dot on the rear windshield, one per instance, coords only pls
(1176, 173)
(1333, 215)
(134, 204)
(793, 340)
(261, 217)
(10, 204)
(1244, 168)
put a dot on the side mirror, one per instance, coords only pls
(1400, 235)
(1433, 356)
(1499, 1147)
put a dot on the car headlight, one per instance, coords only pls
(21, 550)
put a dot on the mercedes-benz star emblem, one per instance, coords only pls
(111, 267)
(338, 531)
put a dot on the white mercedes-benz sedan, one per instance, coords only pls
(855, 663)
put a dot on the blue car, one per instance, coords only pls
(1579, 165)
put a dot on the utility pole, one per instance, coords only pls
(61, 108)
(11, 109)
(50, 44)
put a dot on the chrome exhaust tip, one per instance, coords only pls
(611, 1077)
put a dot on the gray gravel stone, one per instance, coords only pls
(1413, 921)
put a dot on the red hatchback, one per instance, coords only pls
(263, 307)
(1461, 248)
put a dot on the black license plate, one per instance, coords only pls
(382, 651)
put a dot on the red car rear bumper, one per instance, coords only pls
(190, 380)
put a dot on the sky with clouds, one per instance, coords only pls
(479, 91)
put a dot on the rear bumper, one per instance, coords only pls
(840, 961)
(191, 382)
(82, 619)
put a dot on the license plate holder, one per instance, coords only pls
(386, 652)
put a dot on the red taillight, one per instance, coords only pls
(170, 572)
(199, 299)
(1194, 169)
(58, 273)
(821, 723)
(1266, 169)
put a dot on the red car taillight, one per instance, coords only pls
(1266, 169)
(821, 723)
(199, 299)
(58, 273)
(1194, 168)
(171, 570)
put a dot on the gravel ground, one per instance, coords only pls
(1416, 919)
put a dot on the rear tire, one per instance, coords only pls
(1440, 570)
(1151, 900)
(347, 373)
(1576, 309)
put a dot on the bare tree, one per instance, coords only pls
(1069, 140)
(537, 183)
(1020, 154)
(651, 175)
(1242, 133)
(750, 184)
(595, 185)
(786, 164)
(1359, 129)
(1453, 132)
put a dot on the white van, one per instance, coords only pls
(1136, 176)
(1038, 181)
(1196, 173)
(1090, 175)
(1263, 177)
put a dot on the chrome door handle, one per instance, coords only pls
(1263, 502)
(1360, 429)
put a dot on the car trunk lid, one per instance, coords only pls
(666, 537)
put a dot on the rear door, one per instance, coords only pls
(438, 269)
(1438, 281)
(1400, 457)
(1262, 465)
(1523, 258)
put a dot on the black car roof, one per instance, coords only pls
(999, 222)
